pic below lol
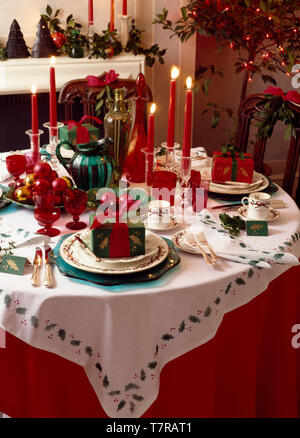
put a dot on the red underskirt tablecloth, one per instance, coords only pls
(249, 369)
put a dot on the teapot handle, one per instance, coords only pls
(66, 162)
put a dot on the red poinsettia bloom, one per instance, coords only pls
(275, 91)
(293, 96)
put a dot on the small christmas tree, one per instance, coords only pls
(43, 46)
(16, 46)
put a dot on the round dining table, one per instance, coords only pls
(200, 341)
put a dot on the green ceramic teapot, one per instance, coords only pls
(91, 166)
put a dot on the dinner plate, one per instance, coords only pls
(75, 255)
(259, 183)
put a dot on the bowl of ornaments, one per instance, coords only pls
(42, 178)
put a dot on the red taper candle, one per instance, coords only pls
(90, 10)
(112, 15)
(52, 97)
(172, 100)
(124, 10)
(34, 120)
(150, 145)
(187, 135)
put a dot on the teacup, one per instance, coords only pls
(258, 205)
(159, 213)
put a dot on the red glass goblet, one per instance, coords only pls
(16, 165)
(75, 202)
(46, 213)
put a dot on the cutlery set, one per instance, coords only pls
(37, 264)
(199, 240)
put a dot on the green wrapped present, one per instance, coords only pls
(117, 239)
(79, 132)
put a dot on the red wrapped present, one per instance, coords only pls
(232, 165)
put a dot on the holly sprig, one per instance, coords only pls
(51, 18)
(3, 54)
(105, 45)
(7, 250)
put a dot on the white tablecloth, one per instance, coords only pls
(124, 335)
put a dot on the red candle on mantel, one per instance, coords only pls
(52, 97)
(34, 121)
(124, 12)
(90, 10)
(172, 99)
(187, 135)
(112, 15)
(150, 145)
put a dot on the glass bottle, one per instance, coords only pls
(117, 126)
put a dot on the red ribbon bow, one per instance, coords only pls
(94, 81)
(292, 96)
(82, 135)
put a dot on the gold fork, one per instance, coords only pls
(202, 239)
(190, 238)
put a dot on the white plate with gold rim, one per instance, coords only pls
(273, 214)
(259, 183)
(75, 255)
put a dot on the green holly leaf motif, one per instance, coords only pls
(243, 245)
(7, 301)
(240, 281)
(281, 248)
(1, 290)
(227, 290)
(253, 262)
(152, 365)
(156, 349)
(288, 243)
(75, 342)
(105, 381)
(207, 311)
(21, 310)
(99, 367)
(132, 406)
(131, 386)
(62, 334)
(167, 337)
(143, 375)
(181, 327)
(217, 301)
(113, 393)
(34, 321)
(89, 351)
(250, 273)
(50, 327)
(194, 319)
(137, 397)
(278, 256)
(121, 405)
(293, 238)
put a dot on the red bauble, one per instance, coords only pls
(59, 39)
(41, 185)
(59, 185)
(42, 170)
(19, 183)
(53, 175)
(110, 51)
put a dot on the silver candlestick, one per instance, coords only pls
(124, 29)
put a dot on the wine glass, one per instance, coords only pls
(46, 213)
(16, 165)
(75, 202)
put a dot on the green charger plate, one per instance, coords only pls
(170, 262)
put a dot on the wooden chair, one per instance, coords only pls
(247, 112)
(79, 99)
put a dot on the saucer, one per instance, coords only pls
(163, 227)
(273, 215)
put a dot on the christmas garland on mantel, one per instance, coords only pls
(105, 45)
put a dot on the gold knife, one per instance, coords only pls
(48, 279)
(37, 263)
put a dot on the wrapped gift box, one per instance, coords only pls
(232, 168)
(71, 134)
(128, 237)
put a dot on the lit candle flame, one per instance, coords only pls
(174, 72)
(153, 108)
(189, 83)
(33, 89)
(52, 61)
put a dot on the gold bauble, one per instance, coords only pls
(68, 181)
(22, 194)
(30, 179)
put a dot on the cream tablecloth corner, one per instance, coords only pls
(123, 336)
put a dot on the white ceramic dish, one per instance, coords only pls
(274, 214)
(75, 255)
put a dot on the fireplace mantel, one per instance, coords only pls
(18, 75)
